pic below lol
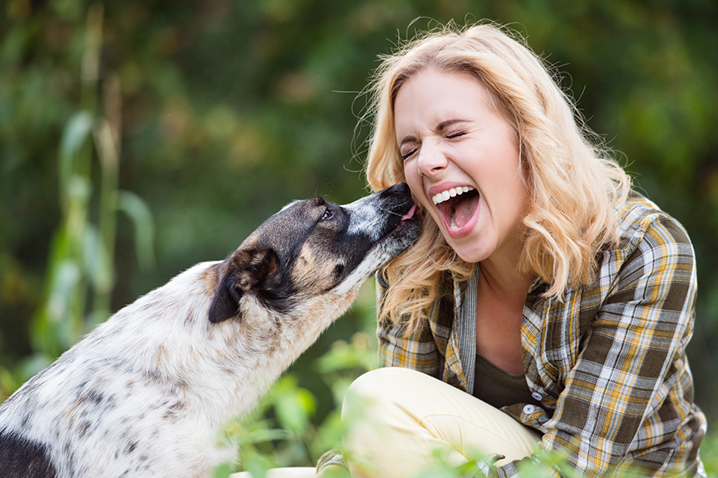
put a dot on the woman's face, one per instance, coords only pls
(461, 160)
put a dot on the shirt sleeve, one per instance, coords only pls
(629, 371)
(417, 350)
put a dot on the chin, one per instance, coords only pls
(469, 254)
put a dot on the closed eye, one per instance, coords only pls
(406, 156)
(455, 134)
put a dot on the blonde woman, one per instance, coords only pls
(546, 306)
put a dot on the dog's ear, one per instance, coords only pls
(243, 270)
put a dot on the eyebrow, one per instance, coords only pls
(440, 127)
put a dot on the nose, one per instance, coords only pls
(431, 160)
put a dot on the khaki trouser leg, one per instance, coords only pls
(296, 472)
(399, 417)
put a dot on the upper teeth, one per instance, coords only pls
(450, 193)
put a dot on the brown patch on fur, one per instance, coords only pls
(210, 277)
(319, 308)
(159, 356)
(313, 270)
(254, 266)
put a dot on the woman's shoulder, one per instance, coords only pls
(644, 225)
(653, 250)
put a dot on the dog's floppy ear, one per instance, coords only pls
(243, 270)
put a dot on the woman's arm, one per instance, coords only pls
(628, 399)
(417, 350)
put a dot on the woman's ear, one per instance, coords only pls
(243, 270)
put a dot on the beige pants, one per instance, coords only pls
(297, 472)
(399, 419)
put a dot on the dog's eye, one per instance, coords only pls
(328, 214)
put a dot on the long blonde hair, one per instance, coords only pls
(575, 185)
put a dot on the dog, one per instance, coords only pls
(147, 392)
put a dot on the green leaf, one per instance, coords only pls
(294, 405)
(66, 276)
(74, 136)
(141, 216)
(96, 260)
(223, 471)
(256, 464)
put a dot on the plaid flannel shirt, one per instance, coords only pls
(608, 363)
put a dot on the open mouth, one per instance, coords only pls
(457, 206)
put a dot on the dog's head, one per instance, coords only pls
(314, 247)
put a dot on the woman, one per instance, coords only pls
(551, 302)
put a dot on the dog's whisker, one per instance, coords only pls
(390, 212)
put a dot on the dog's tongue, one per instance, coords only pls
(409, 214)
(463, 211)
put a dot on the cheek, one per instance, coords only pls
(413, 179)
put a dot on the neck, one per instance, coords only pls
(503, 280)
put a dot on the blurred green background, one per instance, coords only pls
(140, 137)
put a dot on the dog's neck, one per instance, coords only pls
(223, 368)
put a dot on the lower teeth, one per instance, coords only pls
(453, 224)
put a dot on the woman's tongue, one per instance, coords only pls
(458, 212)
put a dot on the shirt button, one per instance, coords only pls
(529, 409)
(537, 396)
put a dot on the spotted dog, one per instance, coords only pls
(147, 392)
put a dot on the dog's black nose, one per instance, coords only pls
(397, 190)
(396, 199)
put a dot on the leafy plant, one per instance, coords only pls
(80, 273)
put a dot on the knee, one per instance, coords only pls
(377, 391)
(383, 431)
